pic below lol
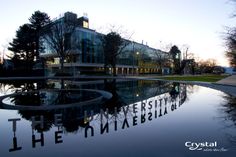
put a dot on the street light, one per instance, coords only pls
(133, 59)
(134, 54)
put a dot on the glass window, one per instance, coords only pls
(85, 24)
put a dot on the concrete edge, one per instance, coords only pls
(99, 99)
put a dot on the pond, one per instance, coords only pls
(115, 118)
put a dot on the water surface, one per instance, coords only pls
(143, 118)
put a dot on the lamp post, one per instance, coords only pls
(135, 54)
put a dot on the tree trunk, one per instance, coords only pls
(113, 64)
(161, 68)
(114, 69)
(62, 63)
(105, 69)
(37, 46)
(62, 84)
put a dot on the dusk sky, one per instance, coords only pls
(197, 23)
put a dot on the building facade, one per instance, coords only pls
(85, 54)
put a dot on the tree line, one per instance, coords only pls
(230, 39)
(231, 47)
(26, 46)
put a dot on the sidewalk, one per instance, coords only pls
(231, 80)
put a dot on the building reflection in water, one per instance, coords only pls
(133, 103)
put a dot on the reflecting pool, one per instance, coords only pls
(115, 118)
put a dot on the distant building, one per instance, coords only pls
(86, 53)
(229, 70)
(218, 70)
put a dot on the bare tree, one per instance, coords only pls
(164, 46)
(230, 41)
(161, 58)
(231, 47)
(207, 66)
(185, 50)
(57, 35)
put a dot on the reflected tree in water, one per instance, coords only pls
(229, 109)
(115, 101)
(48, 118)
(73, 120)
(175, 89)
(6, 88)
(31, 97)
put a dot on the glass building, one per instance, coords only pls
(85, 55)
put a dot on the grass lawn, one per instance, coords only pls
(203, 78)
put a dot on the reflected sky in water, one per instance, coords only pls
(144, 118)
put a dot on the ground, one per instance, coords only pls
(202, 78)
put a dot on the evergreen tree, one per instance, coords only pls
(23, 44)
(38, 20)
(26, 44)
(57, 35)
(175, 53)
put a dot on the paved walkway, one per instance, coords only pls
(231, 80)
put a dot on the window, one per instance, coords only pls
(85, 24)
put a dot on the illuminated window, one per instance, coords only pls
(56, 61)
(85, 24)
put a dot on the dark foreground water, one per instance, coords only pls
(143, 118)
